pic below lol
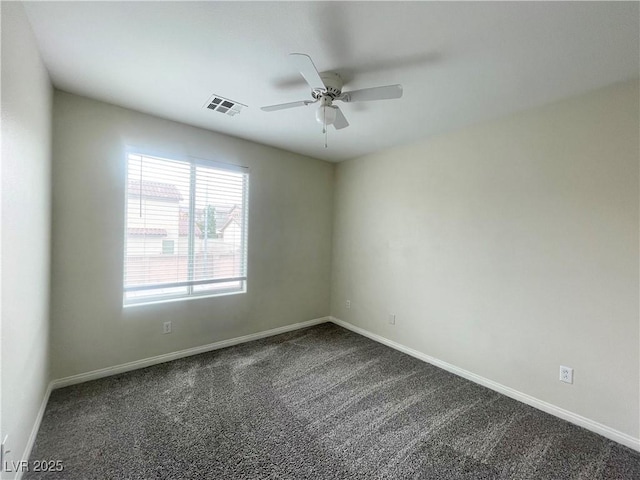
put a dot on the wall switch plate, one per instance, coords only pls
(392, 319)
(566, 374)
(166, 328)
(348, 304)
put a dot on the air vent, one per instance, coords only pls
(223, 105)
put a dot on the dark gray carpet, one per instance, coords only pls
(319, 403)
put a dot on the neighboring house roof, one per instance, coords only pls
(183, 227)
(157, 190)
(147, 232)
(222, 215)
(232, 216)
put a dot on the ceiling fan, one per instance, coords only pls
(327, 88)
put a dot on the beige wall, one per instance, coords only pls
(290, 221)
(507, 249)
(26, 208)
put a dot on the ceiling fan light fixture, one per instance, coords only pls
(327, 88)
(326, 114)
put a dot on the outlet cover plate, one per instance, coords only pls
(566, 374)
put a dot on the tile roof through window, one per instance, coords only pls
(158, 190)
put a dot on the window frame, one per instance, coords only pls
(190, 294)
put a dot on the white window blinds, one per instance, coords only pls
(186, 229)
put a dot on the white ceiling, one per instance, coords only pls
(459, 63)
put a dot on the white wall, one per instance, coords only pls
(507, 249)
(290, 221)
(26, 208)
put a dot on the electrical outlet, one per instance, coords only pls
(348, 304)
(392, 319)
(566, 374)
(166, 328)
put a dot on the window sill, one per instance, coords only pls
(146, 303)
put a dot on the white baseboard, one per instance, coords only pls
(571, 417)
(36, 427)
(167, 357)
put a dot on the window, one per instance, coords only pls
(186, 229)
(168, 247)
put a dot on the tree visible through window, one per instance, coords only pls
(186, 229)
(207, 223)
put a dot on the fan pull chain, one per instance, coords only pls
(141, 162)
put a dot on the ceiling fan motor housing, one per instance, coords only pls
(333, 84)
(327, 87)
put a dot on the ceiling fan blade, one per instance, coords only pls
(308, 70)
(340, 122)
(282, 106)
(376, 93)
